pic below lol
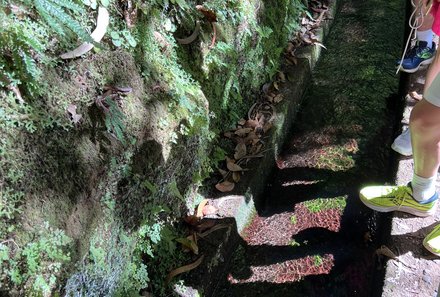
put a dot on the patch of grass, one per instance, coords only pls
(317, 260)
(321, 204)
(293, 220)
(335, 158)
(294, 243)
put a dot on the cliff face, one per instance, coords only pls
(102, 154)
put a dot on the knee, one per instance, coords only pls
(418, 120)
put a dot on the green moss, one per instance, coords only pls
(322, 204)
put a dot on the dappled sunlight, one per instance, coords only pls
(288, 271)
(278, 229)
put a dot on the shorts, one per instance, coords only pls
(435, 11)
(432, 94)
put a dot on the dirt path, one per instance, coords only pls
(312, 236)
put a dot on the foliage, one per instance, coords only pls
(114, 119)
(321, 204)
(24, 39)
(37, 265)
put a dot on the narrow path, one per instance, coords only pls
(312, 236)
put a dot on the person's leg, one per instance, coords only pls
(423, 51)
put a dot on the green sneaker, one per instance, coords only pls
(391, 198)
(432, 241)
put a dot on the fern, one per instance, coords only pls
(114, 120)
(55, 15)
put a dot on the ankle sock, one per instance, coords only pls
(426, 35)
(423, 188)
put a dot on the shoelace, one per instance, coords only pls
(415, 22)
(399, 195)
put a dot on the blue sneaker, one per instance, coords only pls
(420, 54)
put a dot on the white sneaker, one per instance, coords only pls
(402, 143)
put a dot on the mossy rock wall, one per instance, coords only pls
(118, 196)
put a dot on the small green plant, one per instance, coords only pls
(317, 260)
(114, 119)
(293, 220)
(123, 38)
(37, 265)
(294, 243)
(321, 204)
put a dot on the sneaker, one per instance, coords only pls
(419, 55)
(432, 241)
(391, 198)
(402, 143)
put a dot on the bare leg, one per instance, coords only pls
(425, 130)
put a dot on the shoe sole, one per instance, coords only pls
(426, 62)
(398, 150)
(405, 209)
(426, 245)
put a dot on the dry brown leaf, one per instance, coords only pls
(209, 210)
(275, 85)
(293, 60)
(200, 208)
(183, 269)
(242, 122)
(320, 44)
(249, 139)
(240, 151)
(224, 173)
(233, 167)
(209, 14)
(278, 98)
(281, 76)
(267, 127)
(71, 109)
(243, 131)
(190, 243)
(192, 37)
(97, 34)
(236, 176)
(416, 95)
(252, 124)
(225, 186)
(228, 134)
(192, 220)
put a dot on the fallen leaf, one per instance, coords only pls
(183, 269)
(209, 14)
(267, 127)
(200, 208)
(224, 173)
(230, 164)
(251, 124)
(236, 176)
(242, 122)
(190, 243)
(416, 95)
(71, 109)
(278, 98)
(242, 131)
(240, 151)
(97, 34)
(192, 220)
(192, 37)
(281, 76)
(225, 186)
(320, 44)
(209, 210)
(228, 134)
